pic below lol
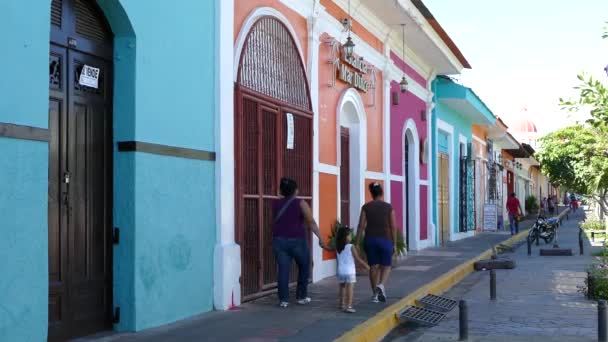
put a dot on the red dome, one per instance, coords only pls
(525, 125)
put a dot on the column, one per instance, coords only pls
(227, 254)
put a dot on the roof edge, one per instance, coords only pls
(426, 13)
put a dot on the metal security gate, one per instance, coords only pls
(271, 90)
(345, 176)
(80, 172)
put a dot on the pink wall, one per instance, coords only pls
(408, 70)
(424, 222)
(397, 202)
(409, 107)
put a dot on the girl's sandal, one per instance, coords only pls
(350, 310)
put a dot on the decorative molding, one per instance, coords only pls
(476, 138)
(24, 132)
(165, 150)
(444, 126)
(328, 169)
(396, 178)
(374, 175)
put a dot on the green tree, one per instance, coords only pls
(576, 157)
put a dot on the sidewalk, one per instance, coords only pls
(263, 320)
(538, 300)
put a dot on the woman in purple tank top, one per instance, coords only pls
(292, 221)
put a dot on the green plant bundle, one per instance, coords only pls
(593, 225)
(531, 203)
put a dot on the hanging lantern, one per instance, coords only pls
(403, 84)
(349, 48)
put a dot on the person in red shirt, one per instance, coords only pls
(514, 208)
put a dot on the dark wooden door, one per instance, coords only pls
(345, 175)
(80, 180)
(406, 191)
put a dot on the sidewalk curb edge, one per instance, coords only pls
(376, 327)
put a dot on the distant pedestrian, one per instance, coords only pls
(543, 206)
(377, 224)
(289, 240)
(551, 205)
(514, 209)
(573, 202)
(347, 272)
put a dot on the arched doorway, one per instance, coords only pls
(353, 154)
(80, 170)
(406, 191)
(273, 125)
(411, 185)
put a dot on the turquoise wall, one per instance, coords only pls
(23, 246)
(24, 33)
(164, 206)
(174, 238)
(461, 126)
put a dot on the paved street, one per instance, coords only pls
(263, 320)
(538, 299)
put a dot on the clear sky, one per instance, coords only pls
(526, 53)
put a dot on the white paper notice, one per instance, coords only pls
(89, 77)
(290, 131)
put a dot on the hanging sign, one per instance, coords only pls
(89, 77)
(354, 73)
(490, 217)
(290, 131)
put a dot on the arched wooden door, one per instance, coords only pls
(80, 170)
(271, 92)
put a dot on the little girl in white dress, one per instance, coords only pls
(347, 273)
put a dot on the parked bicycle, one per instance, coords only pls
(544, 229)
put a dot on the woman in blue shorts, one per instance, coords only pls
(377, 224)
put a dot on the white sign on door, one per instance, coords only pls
(89, 77)
(290, 131)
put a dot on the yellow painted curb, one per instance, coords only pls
(375, 328)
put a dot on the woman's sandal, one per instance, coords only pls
(350, 310)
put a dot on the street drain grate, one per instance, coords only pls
(421, 315)
(437, 303)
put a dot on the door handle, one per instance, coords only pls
(64, 198)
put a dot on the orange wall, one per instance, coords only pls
(328, 119)
(242, 8)
(328, 208)
(479, 131)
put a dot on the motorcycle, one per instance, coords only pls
(544, 229)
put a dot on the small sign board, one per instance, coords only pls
(89, 77)
(490, 217)
(290, 131)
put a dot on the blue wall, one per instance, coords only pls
(24, 33)
(23, 246)
(461, 126)
(165, 206)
